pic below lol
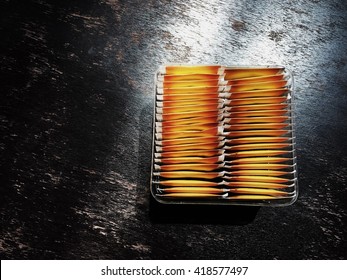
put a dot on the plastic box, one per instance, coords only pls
(224, 135)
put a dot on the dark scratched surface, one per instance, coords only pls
(76, 109)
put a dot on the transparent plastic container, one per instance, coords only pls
(224, 135)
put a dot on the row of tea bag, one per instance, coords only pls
(223, 133)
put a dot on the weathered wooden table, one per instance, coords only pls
(75, 127)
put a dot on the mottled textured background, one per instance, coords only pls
(75, 127)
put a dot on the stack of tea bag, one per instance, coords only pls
(223, 134)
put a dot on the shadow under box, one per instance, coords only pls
(206, 214)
